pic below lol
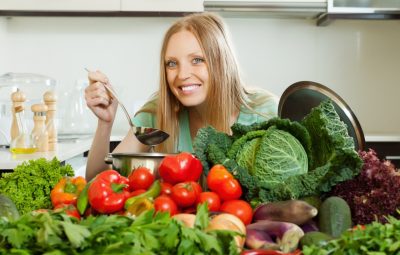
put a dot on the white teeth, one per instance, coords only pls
(188, 88)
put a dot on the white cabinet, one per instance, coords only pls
(110, 6)
(60, 5)
(162, 5)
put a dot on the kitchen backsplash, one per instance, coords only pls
(358, 59)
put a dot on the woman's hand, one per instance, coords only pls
(98, 98)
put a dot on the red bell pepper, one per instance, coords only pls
(67, 190)
(108, 192)
(180, 168)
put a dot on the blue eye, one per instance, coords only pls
(170, 63)
(198, 60)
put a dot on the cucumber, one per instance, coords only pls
(334, 216)
(315, 238)
(8, 208)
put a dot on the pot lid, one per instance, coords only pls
(299, 98)
(26, 79)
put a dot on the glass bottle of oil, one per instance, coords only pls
(23, 143)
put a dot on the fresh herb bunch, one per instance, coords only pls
(29, 185)
(56, 233)
(374, 193)
(375, 238)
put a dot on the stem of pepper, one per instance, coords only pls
(117, 188)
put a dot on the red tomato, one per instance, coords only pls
(166, 188)
(217, 175)
(165, 204)
(180, 168)
(229, 189)
(212, 199)
(140, 178)
(185, 193)
(197, 188)
(239, 208)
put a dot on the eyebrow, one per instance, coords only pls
(196, 53)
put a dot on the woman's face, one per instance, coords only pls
(186, 69)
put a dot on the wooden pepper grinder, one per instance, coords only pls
(50, 99)
(39, 132)
(18, 98)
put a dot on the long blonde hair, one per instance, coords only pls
(226, 92)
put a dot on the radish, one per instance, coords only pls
(287, 234)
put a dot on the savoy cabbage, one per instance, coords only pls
(272, 155)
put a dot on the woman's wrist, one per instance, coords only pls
(104, 127)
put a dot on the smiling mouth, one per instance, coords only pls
(190, 87)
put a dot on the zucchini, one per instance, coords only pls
(315, 238)
(334, 216)
(8, 208)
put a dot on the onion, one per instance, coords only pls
(186, 218)
(227, 221)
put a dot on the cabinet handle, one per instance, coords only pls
(392, 157)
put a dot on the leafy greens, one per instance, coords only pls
(29, 185)
(150, 233)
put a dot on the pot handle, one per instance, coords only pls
(109, 159)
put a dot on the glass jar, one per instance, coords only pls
(23, 143)
(33, 86)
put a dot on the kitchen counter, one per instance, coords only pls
(67, 150)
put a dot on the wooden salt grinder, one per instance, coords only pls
(18, 98)
(39, 131)
(50, 99)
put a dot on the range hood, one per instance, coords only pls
(322, 10)
(360, 9)
(275, 8)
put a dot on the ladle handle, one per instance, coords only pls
(121, 104)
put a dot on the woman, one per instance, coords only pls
(199, 86)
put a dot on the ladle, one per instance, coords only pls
(145, 135)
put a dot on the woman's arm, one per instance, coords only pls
(100, 149)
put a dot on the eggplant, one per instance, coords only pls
(287, 234)
(259, 239)
(294, 211)
(309, 226)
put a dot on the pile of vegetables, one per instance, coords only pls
(374, 193)
(281, 159)
(271, 188)
(29, 185)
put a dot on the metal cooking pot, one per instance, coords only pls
(124, 163)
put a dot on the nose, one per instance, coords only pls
(185, 71)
